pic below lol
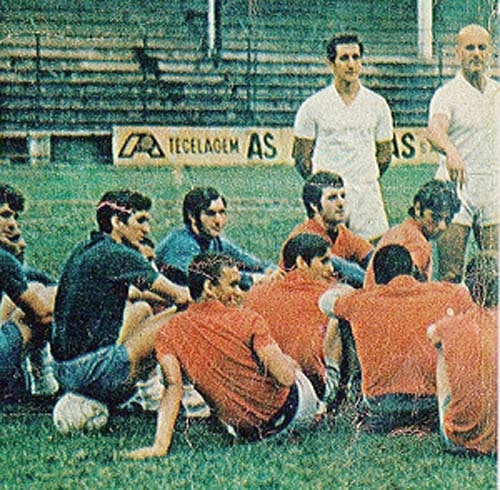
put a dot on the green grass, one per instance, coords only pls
(264, 204)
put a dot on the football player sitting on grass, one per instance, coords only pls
(323, 195)
(467, 365)
(204, 214)
(389, 325)
(229, 355)
(290, 307)
(434, 206)
(90, 304)
(27, 307)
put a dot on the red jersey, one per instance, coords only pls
(290, 308)
(469, 346)
(347, 245)
(389, 325)
(409, 235)
(216, 346)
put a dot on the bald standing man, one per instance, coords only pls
(462, 128)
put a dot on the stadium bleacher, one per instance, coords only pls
(68, 66)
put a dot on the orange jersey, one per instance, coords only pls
(216, 347)
(389, 325)
(290, 308)
(408, 235)
(347, 245)
(469, 346)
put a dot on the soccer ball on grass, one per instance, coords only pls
(73, 413)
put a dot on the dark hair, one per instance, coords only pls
(438, 196)
(391, 261)
(331, 49)
(121, 203)
(198, 199)
(12, 197)
(481, 278)
(206, 267)
(305, 245)
(313, 189)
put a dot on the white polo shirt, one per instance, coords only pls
(472, 123)
(345, 134)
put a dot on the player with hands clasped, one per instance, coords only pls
(462, 124)
(290, 307)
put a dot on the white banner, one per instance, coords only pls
(195, 146)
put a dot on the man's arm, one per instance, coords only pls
(167, 411)
(166, 288)
(280, 366)
(383, 154)
(332, 344)
(302, 154)
(437, 134)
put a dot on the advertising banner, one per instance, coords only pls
(198, 146)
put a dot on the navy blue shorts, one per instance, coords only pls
(102, 374)
(12, 378)
(385, 413)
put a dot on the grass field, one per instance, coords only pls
(264, 204)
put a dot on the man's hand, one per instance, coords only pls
(181, 295)
(456, 167)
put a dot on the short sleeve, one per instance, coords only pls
(440, 104)
(342, 306)
(305, 126)
(258, 334)
(383, 131)
(163, 339)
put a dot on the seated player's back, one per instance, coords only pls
(389, 326)
(469, 346)
(290, 307)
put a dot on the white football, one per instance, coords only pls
(74, 412)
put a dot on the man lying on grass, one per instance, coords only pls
(228, 354)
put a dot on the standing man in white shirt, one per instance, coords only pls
(462, 128)
(347, 129)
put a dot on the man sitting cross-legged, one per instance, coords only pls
(467, 365)
(434, 206)
(290, 307)
(91, 300)
(389, 324)
(228, 354)
(323, 195)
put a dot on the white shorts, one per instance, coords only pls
(308, 406)
(479, 198)
(365, 208)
